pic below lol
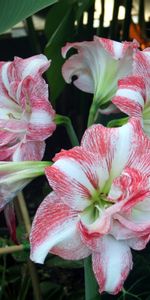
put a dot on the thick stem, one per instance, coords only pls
(24, 165)
(92, 113)
(24, 212)
(91, 286)
(11, 249)
(66, 122)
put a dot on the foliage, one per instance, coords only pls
(15, 11)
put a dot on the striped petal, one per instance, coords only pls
(112, 264)
(37, 110)
(130, 96)
(28, 151)
(75, 176)
(117, 145)
(30, 66)
(141, 67)
(138, 220)
(91, 64)
(136, 240)
(55, 229)
(131, 187)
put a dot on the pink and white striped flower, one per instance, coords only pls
(133, 94)
(100, 204)
(26, 115)
(98, 65)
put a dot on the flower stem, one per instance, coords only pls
(24, 165)
(91, 286)
(66, 122)
(92, 113)
(12, 249)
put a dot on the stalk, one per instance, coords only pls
(92, 113)
(91, 286)
(66, 122)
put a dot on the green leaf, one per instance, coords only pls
(14, 11)
(117, 122)
(59, 29)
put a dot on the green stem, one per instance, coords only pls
(66, 122)
(23, 165)
(92, 113)
(91, 286)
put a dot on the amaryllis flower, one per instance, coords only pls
(98, 65)
(133, 94)
(26, 115)
(100, 204)
(14, 176)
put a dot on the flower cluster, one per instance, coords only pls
(100, 203)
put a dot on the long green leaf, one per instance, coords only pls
(14, 11)
(59, 29)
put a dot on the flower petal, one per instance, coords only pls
(141, 67)
(138, 220)
(29, 151)
(10, 186)
(75, 175)
(138, 243)
(134, 239)
(130, 96)
(112, 264)
(30, 66)
(33, 93)
(116, 145)
(131, 187)
(91, 63)
(54, 229)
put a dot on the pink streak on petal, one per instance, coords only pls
(131, 95)
(112, 264)
(55, 229)
(29, 151)
(75, 175)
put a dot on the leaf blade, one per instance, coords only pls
(15, 11)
